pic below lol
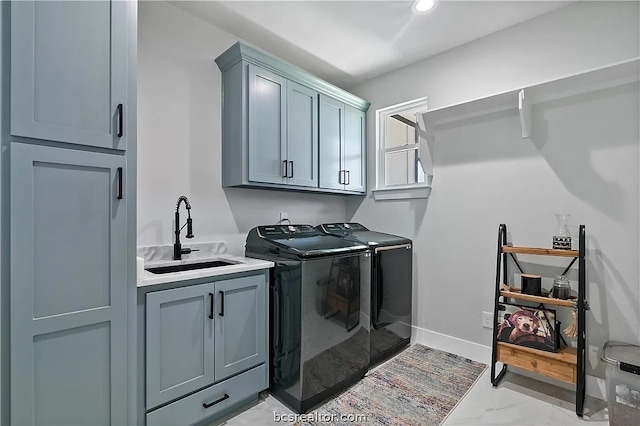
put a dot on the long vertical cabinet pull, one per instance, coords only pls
(340, 179)
(285, 169)
(221, 304)
(210, 305)
(276, 317)
(348, 180)
(120, 111)
(120, 183)
(291, 169)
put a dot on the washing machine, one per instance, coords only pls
(391, 277)
(319, 304)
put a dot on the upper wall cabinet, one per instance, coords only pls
(342, 146)
(283, 126)
(302, 135)
(68, 71)
(271, 125)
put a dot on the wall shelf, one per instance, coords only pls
(524, 98)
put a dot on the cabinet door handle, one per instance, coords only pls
(348, 172)
(291, 169)
(120, 179)
(285, 168)
(340, 177)
(276, 318)
(217, 401)
(120, 111)
(210, 305)
(221, 304)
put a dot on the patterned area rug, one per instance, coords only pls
(418, 387)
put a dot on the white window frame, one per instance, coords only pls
(424, 132)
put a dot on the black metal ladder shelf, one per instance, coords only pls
(568, 364)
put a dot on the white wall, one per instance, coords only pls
(583, 160)
(179, 95)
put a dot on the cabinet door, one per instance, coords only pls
(354, 149)
(331, 134)
(267, 121)
(68, 71)
(180, 342)
(241, 325)
(302, 135)
(68, 288)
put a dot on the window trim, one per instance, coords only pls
(413, 190)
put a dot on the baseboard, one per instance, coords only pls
(454, 345)
(595, 386)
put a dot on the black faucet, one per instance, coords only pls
(178, 251)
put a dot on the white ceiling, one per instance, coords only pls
(347, 42)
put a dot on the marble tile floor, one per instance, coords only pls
(260, 413)
(518, 400)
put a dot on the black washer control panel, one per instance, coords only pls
(342, 228)
(275, 232)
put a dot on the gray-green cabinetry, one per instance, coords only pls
(68, 287)
(342, 146)
(210, 339)
(179, 342)
(271, 126)
(240, 325)
(281, 130)
(70, 139)
(267, 126)
(302, 135)
(68, 71)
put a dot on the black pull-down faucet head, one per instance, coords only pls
(189, 226)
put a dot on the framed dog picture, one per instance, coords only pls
(527, 326)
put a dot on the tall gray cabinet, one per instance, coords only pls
(68, 287)
(274, 131)
(71, 211)
(68, 71)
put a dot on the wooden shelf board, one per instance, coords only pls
(540, 251)
(561, 365)
(567, 354)
(538, 299)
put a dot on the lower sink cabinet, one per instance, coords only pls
(206, 348)
(210, 401)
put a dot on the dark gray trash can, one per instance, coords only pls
(623, 382)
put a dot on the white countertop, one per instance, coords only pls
(240, 264)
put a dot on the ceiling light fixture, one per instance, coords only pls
(423, 6)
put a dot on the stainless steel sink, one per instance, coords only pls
(188, 267)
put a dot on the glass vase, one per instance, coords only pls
(562, 237)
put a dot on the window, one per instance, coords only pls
(404, 167)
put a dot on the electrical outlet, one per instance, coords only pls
(284, 216)
(487, 320)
